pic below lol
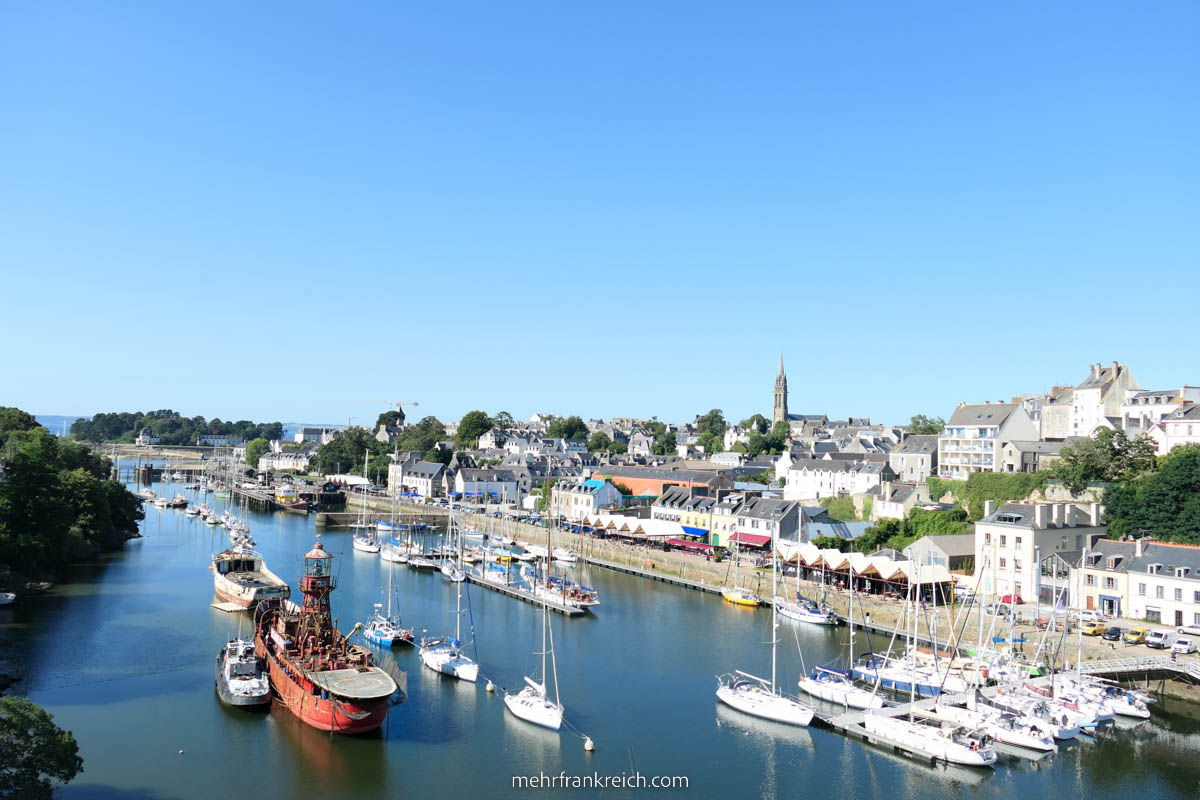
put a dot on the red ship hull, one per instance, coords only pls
(332, 714)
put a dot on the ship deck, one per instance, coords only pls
(353, 684)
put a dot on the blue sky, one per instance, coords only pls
(299, 211)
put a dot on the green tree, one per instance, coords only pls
(569, 428)
(712, 423)
(831, 543)
(256, 449)
(35, 754)
(393, 418)
(599, 442)
(503, 420)
(618, 448)
(1108, 455)
(841, 509)
(923, 425)
(473, 425)
(1165, 504)
(757, 422)
(665, 445)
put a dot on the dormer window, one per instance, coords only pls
(1152, 569)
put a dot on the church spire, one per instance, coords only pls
(779, 411)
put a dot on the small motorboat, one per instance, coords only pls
(241, 678)
(385, 631)
(7, 598)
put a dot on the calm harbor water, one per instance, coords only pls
(122, 655)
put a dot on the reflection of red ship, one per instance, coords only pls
(319, 676)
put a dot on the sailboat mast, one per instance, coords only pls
(774, 595)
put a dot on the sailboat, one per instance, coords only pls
(445, 654)
(804, 610)
(836, 685)
(758, 696)
(532, 703)
(737, 594)
(450, 570)
(384, 629)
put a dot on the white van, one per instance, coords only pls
(1160, 640)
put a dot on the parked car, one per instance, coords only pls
(998, 609)
(1161, 640)
(1112, 634)
(1092, 628)
(1136, 635)
(1183, 646)
(1089, 616)
(1012, 599)
(1190, 630)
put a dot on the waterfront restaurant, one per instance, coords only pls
(868, 574)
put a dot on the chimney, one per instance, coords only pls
(1115, 368)
(1095, 514)
(1039, 516)
(1137, 548)
(989, 507)
(1056, 515)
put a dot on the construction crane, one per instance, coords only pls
(400, 403)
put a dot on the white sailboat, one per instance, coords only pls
(384, 629)
(757, 696)
(836, 685)
(532, 703)
(445, 655)
(737, 594)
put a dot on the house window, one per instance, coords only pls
(1142, 589)
(1018, 541)
(1003, 540)
(1001, 563)
(1017, 564)
(1110, 583)
(1196, 597)
(987, 539)
(1091, 580)
(1158, 592)
(1078, 541)
(1179, 595)
(1196, 619)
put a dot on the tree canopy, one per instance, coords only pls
(979, 487)
(35, 754)
(665, 445)
(57, 502)
(772, 443)
(256, 449)
(599, 442)
(473, 425)
(1164, 504)
(899, 534)
(757, 422)
(568, 428)
(1108, 455)
(170, 426)
(711, 428)
(923, 425)
(393, 418)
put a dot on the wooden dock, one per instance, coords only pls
(566, 611)
(700, 586)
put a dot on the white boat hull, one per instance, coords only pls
(759, 702)
(533, 706)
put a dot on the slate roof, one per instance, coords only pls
(1169, 555)
(919, 444)
(985, 414)
(1189, 412)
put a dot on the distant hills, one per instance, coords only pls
(58, 423)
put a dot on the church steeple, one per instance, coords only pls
(780, 412)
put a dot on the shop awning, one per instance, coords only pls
(752, 539)
(686, 545)
(690, 531)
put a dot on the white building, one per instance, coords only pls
(975, 435)
(289, 460)
(147, 438)
(1143, 410)
(1164, 583)
(915, 459)
(811, 479)
(1180, 427)
(1012, 543)
(1096, 403)
(216, 440)
(318, 435)
(574, 502)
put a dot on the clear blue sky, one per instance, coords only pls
(603, 209)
